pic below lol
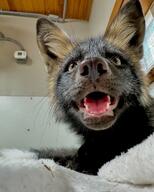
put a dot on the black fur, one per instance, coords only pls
(133, 122)
(100, 147)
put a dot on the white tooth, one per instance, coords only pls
(108, 105)
(86, 106)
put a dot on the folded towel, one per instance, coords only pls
(21, 171)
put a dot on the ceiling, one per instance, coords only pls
(78, 9)
(146, 4)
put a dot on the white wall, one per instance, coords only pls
(29, 79)
(100, 14)
(26, 122)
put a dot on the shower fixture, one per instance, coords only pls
(20, 55)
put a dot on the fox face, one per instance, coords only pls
(94, 81)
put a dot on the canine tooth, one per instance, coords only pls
(86, 106)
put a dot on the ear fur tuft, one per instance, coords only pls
(53, 43)
(127, 29)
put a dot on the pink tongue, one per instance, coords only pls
(97, 107)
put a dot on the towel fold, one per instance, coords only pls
(21, 171)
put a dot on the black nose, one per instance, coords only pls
(94, 68)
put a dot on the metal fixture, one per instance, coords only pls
(20, 55)
(64, 10)
(3, 38)
(53, 18)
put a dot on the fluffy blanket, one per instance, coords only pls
(20, 171)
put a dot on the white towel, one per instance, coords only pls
(20, 171)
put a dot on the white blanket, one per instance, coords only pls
(20, 171)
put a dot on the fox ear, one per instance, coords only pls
(128, 28)
(53, 43)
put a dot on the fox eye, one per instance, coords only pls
(72, 66)
(116, 61)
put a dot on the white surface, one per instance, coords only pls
(100, 15)
(20, 114)
(27, 122)
(20, 79)
(31, 79)
(147, 63)
(133, 171)
(151, 90)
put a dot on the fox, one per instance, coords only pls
(98, 88)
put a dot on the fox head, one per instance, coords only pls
(92, 82)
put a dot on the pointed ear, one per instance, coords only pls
(128, 28)
(53, 43)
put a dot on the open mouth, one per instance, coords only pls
(98, 104)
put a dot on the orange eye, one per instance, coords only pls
(72, 66)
